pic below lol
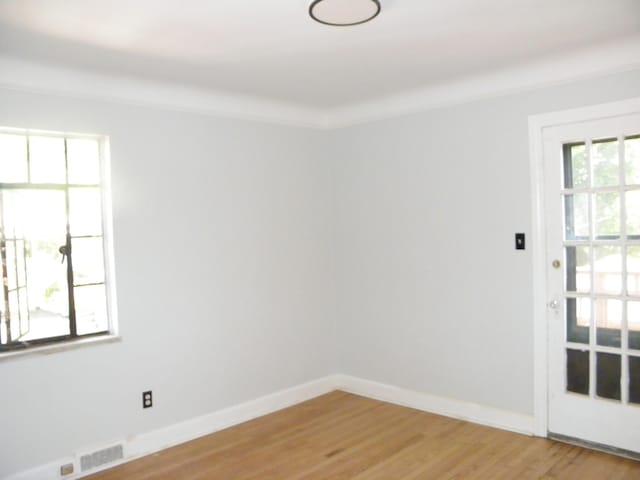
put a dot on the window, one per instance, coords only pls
(52, 238)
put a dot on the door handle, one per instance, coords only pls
(554, 305)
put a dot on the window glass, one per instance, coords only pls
(83, 157)
(47, 160)
(13, 158)
(54, 274)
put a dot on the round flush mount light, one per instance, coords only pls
(344, 13)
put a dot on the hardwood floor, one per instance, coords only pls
(341, 436)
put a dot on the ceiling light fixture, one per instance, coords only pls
(344, 13)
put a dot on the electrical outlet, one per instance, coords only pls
(66, 469)
(147, 399)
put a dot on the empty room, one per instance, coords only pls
(320, 239)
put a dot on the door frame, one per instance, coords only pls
(537, 124)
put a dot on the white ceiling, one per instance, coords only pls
(272, 49)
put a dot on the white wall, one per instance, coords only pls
(222, 256)
(432, 295)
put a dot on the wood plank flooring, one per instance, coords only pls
(341, 436)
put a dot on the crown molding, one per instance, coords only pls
(18, 74)
(604, 59)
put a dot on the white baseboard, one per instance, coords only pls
(471, 412)
(221, 419)
(151, 442)
(154, 441)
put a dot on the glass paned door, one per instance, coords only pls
(34, 264)
(592, 182)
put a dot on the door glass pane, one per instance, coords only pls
(576, 168)
(576, 209)
(578, 319)
(88, 264)
(83, 161)
(608, 313)
(578, 371)
(632, 160)
(607, 214)
(91, 309)
(633, 322)
(41, 217)
(605, 158)
(633, 270)
(634, 379)
(46, 160)
(578, 266)
(608, 375)
(85, 211)
(607, 269)
(13, 159)
(632, 205)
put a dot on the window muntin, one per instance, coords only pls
(52, 239)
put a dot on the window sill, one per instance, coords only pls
(59, 347)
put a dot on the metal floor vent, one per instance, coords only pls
(101, 457)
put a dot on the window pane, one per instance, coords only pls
(578, 265)
(85, 216)
(607, 269)
(13, 158)
(40, 215)
(605, 161)
(578, 371)
(91, 309)
(576, 169)
(576, 209)
(608, 375)
(46, 159)
(632, 160)
(11, 214)
(24, 311)
(608, 321)
(20, 259)
(10, 249)
(46, 324)
(607, 214)
(83, 161)
(87, 258)
(14, 314)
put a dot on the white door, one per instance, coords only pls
(592, 211)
